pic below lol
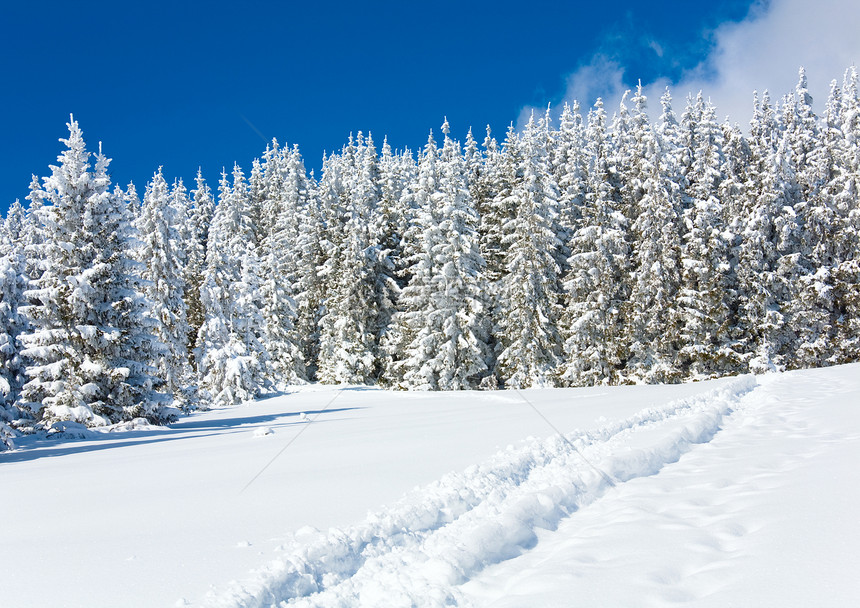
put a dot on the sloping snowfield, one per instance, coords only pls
(736, 492)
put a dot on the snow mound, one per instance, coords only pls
(419, 550)
(263, 431)
(69, 429)
(7, 434)
(136, 424)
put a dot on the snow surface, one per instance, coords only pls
(741, 491)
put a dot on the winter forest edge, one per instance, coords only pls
(600, 251)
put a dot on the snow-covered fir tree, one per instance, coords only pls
(570, 169)
(233, 364)
(91, 340)
(598, 265)
(702, 319)
(846, 237)
(286, 198)
(763, 293)
(503, 172)
(530, 291)
(201, 212)
(349, 326)
(816, 159)
(448, 349)
(655, 233)
(13, 283)
(389, 227)
(310, 288)
(403, 346)
(381, 186)
(33, 231)
(161, 223)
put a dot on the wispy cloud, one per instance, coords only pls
(764, 51)
(657, 48)
(601, 77)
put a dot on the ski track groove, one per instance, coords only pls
(417, 551)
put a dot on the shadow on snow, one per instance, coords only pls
(33, 448)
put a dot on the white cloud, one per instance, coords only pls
(656, 47)
(601, 77)
(766, 50)
(762, 52)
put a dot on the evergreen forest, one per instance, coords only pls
(585, 248)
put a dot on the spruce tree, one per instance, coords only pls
(287, 197)
(403, 344)
(91, 339)
(311, 288)
(846, 272)
(349, 327)
(449, 348)
(733, 196)
(817, 155)
(703, 320)
(655, 234)
(162, 218)
(598, 267)
(132, 200)
(201, 212)
(232, 360)
(33, 231)
(763, 297)
(530, 291)
(570, 170)
(13, 282)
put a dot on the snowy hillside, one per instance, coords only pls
(740, 491)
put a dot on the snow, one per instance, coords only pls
(761, 515)
(739, 491)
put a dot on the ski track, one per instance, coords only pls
(419, 550)
(749, 519)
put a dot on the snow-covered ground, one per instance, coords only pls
(741, 491)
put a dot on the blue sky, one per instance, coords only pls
(184, 84)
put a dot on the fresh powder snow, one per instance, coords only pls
(738, 491)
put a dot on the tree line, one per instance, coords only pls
(598, 251)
